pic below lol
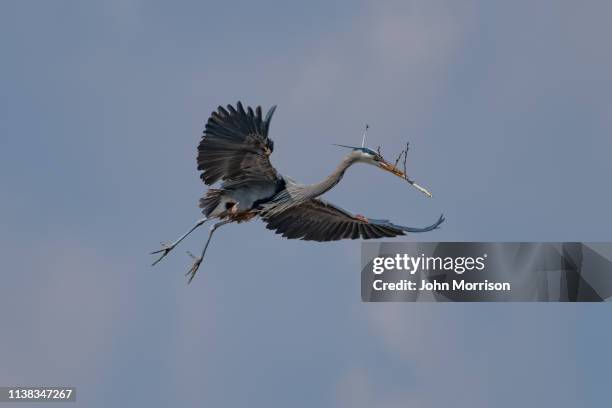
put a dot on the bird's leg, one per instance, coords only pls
(165, 250)
(197, 260)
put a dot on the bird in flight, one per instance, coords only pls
(234, 153)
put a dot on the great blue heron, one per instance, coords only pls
(235, 150)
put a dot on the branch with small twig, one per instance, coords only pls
(399, 157)
(404, 154)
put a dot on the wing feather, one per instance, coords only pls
(235, 147)
(319, 220)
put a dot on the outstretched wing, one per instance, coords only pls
(318, 220)
(235, 147)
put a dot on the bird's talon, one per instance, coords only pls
(164, 247)
(194, 268)
(165, 250)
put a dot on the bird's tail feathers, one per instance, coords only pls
(211, 200)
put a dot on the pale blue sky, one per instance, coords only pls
(508, 109)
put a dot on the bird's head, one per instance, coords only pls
(374, 158)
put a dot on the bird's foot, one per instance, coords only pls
(197, 260)
(165, 250)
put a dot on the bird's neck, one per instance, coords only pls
(333, 179)
(295, 194)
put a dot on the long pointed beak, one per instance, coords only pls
(394, 170)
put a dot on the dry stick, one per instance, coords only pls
(414, 184)
(406, 158)
(398, 159)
